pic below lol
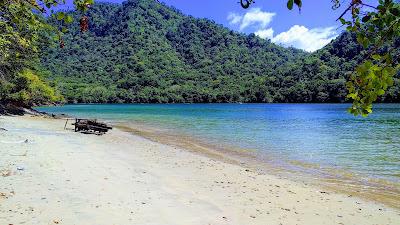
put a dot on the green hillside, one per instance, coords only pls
(144, 51)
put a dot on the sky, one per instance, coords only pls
(311, 29)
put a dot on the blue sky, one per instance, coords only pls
(311, 29)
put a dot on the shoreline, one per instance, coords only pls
(339, 181)
(62, 177)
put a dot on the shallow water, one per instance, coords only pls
(316, 138)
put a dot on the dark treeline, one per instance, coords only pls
(143, 51)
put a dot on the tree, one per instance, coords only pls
(376, 29)
(24, 30)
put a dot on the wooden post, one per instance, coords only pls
(65, 124)
(76, 121)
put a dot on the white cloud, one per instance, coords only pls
(254, 17)
(306, 39)
(297, 36)
(234, 18)
(265, 33)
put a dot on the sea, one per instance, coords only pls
(319, 142)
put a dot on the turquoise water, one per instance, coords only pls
(322, 135)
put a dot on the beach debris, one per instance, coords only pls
(20, 168)
(66, 122)
(24, 154)
(5, 195)
(15, 142)
(88, 126)
(5, 173)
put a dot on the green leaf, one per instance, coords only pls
(362, 40)
(69, 19)
(60, 15)
(352, 95)
(381, 92)
(395, 11)
(376, 57)
(390, 81)
(290, 4)
(366, 18)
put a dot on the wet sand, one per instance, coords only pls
(334, 180)
(61, 177)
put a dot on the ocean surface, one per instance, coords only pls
(316, 138)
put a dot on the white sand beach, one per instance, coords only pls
(61, 177)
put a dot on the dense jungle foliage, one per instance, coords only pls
(143, 51)
(22, 32)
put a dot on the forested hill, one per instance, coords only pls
(144, 51)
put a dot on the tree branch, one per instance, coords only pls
(35, 5)
(344, 13)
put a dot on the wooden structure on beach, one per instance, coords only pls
(90, 126)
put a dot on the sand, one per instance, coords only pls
(61, 177)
